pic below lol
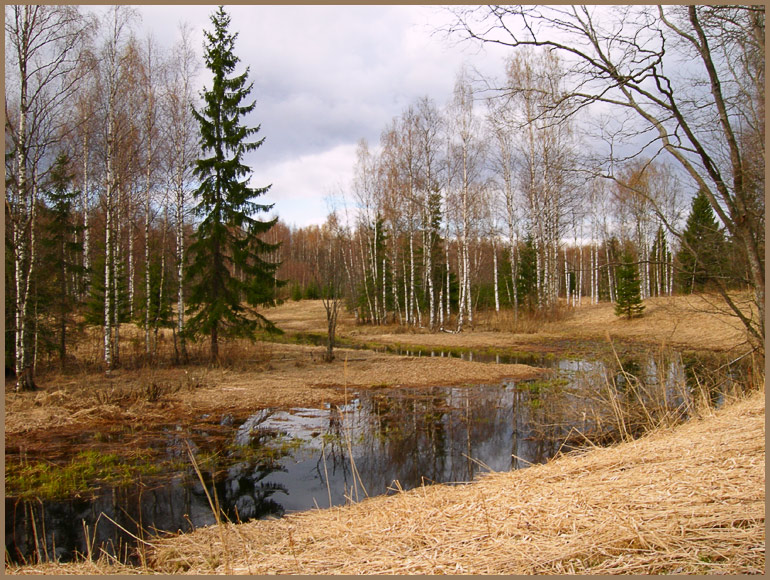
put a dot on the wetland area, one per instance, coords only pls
(165, 454)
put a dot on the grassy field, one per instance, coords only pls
(684, 500)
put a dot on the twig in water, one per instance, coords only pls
(326, 473)
(137, 538)
(479, 463)
(521, 459)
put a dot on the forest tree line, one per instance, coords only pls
(490, 200)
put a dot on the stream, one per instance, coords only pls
(279, 461)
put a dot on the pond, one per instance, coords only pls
(278, 461)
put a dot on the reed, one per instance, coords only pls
(678, 500)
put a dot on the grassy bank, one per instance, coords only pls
(683, 500)
(688, 500)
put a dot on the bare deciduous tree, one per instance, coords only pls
(702, 113)
(42, 44)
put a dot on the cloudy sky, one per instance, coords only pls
(325, 77)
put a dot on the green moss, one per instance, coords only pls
(85, 471)
(540, 385)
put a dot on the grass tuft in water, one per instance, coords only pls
(86, 470)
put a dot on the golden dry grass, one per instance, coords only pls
(698, 322)
(688, 500)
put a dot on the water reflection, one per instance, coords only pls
(278, 461)
(402, 438)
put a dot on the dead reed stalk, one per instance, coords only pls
(686, 500)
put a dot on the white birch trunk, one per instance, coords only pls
(497, 295)
(429, 269)
(86, 228)
(108, 243)
(147, 289)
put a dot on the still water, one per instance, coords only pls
(282, 460)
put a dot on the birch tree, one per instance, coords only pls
(429, 129)
(503, 160)
(546, 156)
(113, 66)
(365, 194)
(702, 114)
(180, 153)
(466, 151)
(42, 46)
(151, 73)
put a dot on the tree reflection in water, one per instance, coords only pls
(383, 440)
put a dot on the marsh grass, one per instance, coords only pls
(643, 392)
(526, 322)
(678, 500)
(88, 469)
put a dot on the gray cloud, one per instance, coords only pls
(326, 76)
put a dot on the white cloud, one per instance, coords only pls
(300, 185)
(325, 77)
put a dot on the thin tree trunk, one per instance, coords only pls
(161, 296)
(86, 228)
(214, 343)
(429, 269)
(131, 273)
(116, 265)
(448, 280)
(497, 295)
(147, 209)
(375, 274)
(108, 246)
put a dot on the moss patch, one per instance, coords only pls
(85, 471)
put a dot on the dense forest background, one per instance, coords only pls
(511, 195)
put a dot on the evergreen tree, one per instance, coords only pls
(527, 274)
(226, 266)
(661, 258)
(628, 301)
(59, 287)
(701, 258)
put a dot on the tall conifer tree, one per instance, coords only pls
(628, 301)
(702, 256)
(59, 287)
(226, 268)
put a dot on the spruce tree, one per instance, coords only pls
(526, 280)
(628, 299)
(59, 286)
(226, 265)
(701, 258)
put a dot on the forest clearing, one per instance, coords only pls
(594, 510)
(524, 334)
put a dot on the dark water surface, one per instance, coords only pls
(283, 460)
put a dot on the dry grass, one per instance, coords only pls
(696, 322)
(678, 501)
(292, 375)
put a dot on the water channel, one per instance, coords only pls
(277, 461)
